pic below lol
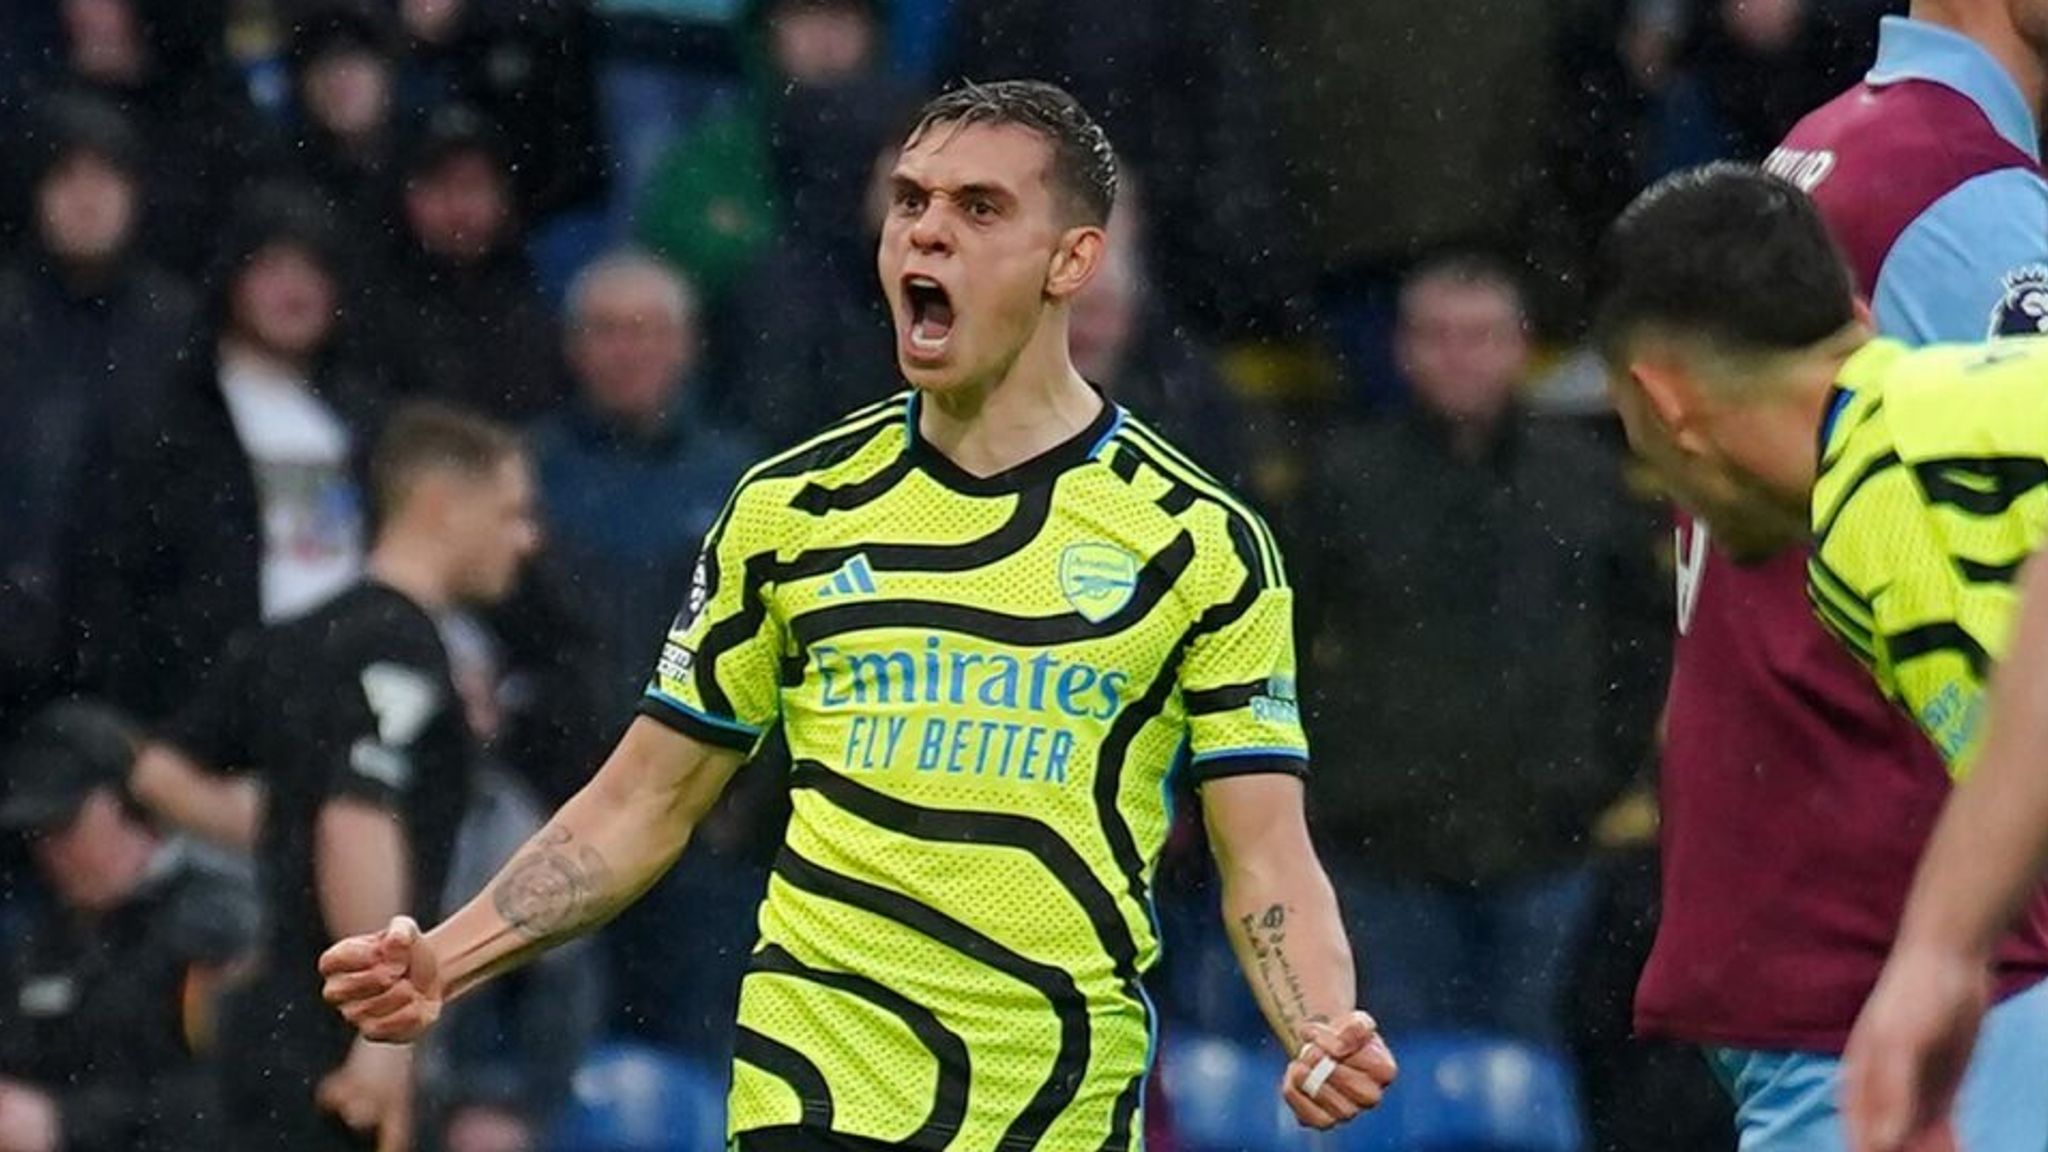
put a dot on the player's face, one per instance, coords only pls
(967, 251)
(495, 529)
(1683, 448)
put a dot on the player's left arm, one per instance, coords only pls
(1249, 756)
(1989, 849)
(1284, 926)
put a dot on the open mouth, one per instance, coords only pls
(931, 313)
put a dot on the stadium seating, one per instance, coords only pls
(1470, 1093)
(1224, 1097)
(1457, 1093)
(633, 1098)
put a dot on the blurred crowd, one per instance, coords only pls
(1347, 276)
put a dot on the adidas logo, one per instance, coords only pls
(854, 578)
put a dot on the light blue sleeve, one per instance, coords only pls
(1973, 266)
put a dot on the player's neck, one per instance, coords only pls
(1991, 27)
(1040, 403)
(1810, 390)
(411, 567)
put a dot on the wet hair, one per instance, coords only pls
(1727, 253)
(1083, 173)
(426, 436)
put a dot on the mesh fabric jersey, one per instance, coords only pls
(986, 684)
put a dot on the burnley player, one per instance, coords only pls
(1750, 381)
(1786, 776)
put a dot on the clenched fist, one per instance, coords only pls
(1343, 1069)
(387, 985)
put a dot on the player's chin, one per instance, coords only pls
(1749, 543)
(940, 374)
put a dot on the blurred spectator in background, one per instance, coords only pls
(788, 164)
(344, 65)
(527, 65)
(236, 497)
(1480, 591)
(662, 66)
(164, 64)
(1752, 68)
(804, 328)
(1400, 133)
(86, 326)
(1125, 342)
(1181, 88)
(106, 1029)
(1646, 87)
(463, 317)
(632, 478)
(504, 1059)
(349, 722)
(631, 474)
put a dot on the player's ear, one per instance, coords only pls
(1075, 261)
(1669, 395)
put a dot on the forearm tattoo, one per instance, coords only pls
(555, 886)
(1267, 934)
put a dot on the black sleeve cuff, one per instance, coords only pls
(1250, 764)
(697, 728)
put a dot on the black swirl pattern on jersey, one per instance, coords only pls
(1155, 580)
(1982, 485)
(1070, 1064)
(817, 499)
(1047, 846)
(791, 1067)
(1044, 844)
(1871, 471)
(1931, 638)
(1115, 755)
(835, 443)
(949, 1100)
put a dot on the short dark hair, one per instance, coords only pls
(1083, 163)
(425, 435)
(1726, 252)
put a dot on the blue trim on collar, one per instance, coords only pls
(1837, 405)
(1116, 425)
(1910, 49)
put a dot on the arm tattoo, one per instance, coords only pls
(556, 886)
(1267, 934)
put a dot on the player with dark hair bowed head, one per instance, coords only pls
(992, 615)
(1748, 376)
